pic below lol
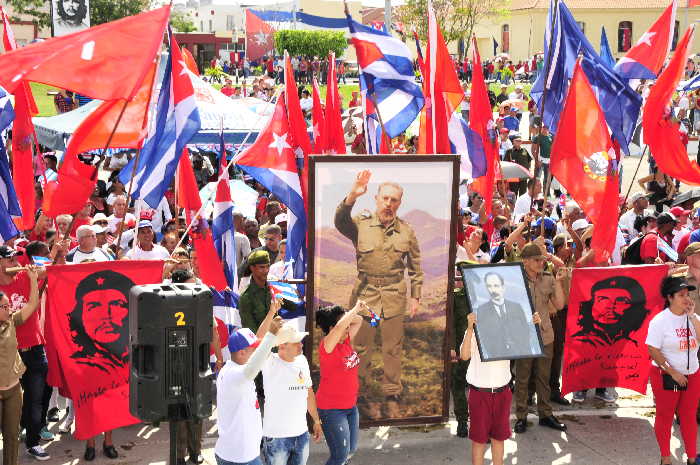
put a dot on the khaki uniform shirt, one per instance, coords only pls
(383, 254)
(542, 290)
(11, 366)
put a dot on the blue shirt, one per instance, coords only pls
(511, 122)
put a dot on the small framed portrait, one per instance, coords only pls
(69, 16)
(500, 297)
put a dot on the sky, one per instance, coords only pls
(367, 3)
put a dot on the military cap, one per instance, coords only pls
(531, 251)
(258, 257)
(692, 249)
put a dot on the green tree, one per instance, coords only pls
(457, 18)
(101, 11)
(182, 22)
(311, 43)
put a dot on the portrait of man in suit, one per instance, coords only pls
(502, 328)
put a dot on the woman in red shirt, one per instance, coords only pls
(336, 397)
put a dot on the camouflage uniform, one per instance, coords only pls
(384, 254)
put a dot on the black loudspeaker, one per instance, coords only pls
(170, 331)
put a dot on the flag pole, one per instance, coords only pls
(547, 69)
(381, 124)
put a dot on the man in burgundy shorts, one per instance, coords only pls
(489, 398)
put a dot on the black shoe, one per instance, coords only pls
(558, 399)
(552, 422)
(520, 426)
(462, 429)
(52, 415)
(196, 458)
(89, 454)
(110, 451)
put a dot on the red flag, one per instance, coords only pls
(22, 157)
(335, 137)
(583, 161)
(8, 37)
(661, 133)
(188, 195)
(319, 120)
(444, 92)
(259, 37)
(88, 350)
(106, 62)
(693, 3)
(605, 339)
(481, 122)
(190, 62)
(297, 125)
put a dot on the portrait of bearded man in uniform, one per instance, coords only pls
(389, 279)
(99, 322)
(70, 16)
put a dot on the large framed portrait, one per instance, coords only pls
(500, 297)
(383, 231)
(69, 16)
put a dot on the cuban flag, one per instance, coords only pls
(387, 68)
(272, 162)
(9, 206)
(7, 113)
(468, 144)
(646, 58)
(372, 128)
(225, 305)
(222, 225)
(177, 120)
(282, 290)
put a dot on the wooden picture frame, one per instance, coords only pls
(418, 168)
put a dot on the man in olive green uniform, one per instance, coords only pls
(386, 247)
(543, 289)
(254, 303)
(519, 154)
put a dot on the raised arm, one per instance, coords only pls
(33, 302)
(351, 320)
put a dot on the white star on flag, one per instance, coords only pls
(646, 38)
(260, 38)
(184, 67)
(279, 143)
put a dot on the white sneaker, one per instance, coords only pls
(606, 397)
(38, 453)
(579, 396)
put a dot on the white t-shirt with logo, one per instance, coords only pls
(158, 252)
(239, 421)
(667, 332)
(287, 387)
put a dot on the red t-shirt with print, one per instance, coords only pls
(29, 334)
(339, 382)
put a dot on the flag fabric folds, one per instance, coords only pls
(661, 133)
(386, 65)
(177, 120)
(23, 157)
(105, 62)
(335, 136)
(271, 162)
(9, 206)
(222, 224)
(444, 91)
(7, 113)
(646, 58)
(620, 103)
(259, 37)
(318, 119)
(297, 125)
(584, 163)
(87, 332)
(617, 355)
(605, 51)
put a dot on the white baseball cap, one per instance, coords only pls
(289, 333)
(580, 224)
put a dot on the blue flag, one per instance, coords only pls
(620, 103)
(495, 46)
(605, 52)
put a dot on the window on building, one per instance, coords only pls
(582, 26)
(624, 36)
(676, 28)
(505, 38)
(230, 22)
(211, 26)
(201, 25)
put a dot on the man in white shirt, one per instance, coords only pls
(638, 203)
(524, 202)
(288, 396)
(239, 421)
(306, 101)
(144, 248)
(159, 216)
(241, 240)
(87, 249)
(119, 215)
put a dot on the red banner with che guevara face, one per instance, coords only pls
(606, 327)
(87, 332)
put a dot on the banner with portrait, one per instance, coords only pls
(87, 338)
(69, 16)
(393, 246)
(606, 327)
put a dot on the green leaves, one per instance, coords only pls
(182, 22)
(311, 43)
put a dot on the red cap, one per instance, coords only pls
(679, 211)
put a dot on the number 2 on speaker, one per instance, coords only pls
(180, 317)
